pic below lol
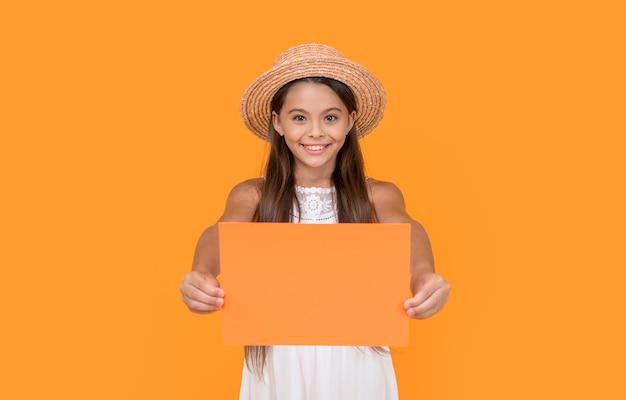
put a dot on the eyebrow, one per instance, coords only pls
(303, 111)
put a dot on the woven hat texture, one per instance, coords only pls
(313, 60)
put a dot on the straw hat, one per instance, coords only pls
(313, 60)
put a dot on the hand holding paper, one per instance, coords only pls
(431, 293)
(201, 292)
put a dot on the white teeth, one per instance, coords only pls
(314, 148)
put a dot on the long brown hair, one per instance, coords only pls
(279, 196)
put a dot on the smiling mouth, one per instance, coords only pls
(317, 147)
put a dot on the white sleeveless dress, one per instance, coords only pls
(321, 372)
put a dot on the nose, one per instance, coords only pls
(317, 130)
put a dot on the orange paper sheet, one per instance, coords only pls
(306, 284)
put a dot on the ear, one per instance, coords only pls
(352, 120)
(276, 122)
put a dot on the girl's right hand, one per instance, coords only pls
(202, 293)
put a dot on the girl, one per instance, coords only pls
(312, 107)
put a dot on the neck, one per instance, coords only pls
(313, 179)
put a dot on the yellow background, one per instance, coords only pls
(121, 137)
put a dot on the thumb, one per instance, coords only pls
(210, 279)
(209, 284)
(410, 303)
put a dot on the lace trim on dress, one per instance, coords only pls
(307, 190)
(317, 205)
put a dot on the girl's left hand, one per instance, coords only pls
(431, 293)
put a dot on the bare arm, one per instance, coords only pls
(430, 290)
(240, 207)
(200, 288)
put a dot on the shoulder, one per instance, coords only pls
(249, 189)
(382, 191)
(387, 200)
(243, 200)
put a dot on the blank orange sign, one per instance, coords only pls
(306, 284)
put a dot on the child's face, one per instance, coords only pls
(314, 122)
